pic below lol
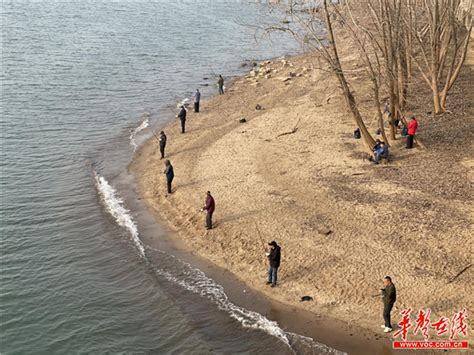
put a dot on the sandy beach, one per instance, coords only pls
(294, 173)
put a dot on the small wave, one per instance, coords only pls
(196, 281)
(114, 205)
(133, 133)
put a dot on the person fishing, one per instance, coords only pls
(182, 117)
(220, 84)
(197, 100)
(274, 257)
(389, 296)
(209, 206)
(162, 140)
(412, 127)
(169, 172)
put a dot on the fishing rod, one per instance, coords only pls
(260, 237)
(154, 135)
(194, 215)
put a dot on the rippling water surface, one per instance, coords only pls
(77, 81)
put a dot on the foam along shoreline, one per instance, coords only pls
(195, 280)
(135, 131)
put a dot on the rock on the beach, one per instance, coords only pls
(253, 73)
(324, 231)
(243, 120)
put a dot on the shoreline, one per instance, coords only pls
(215, 140)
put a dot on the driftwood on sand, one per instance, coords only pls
(459, 273)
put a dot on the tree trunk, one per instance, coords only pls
(379, 112)
(436, 101)
(349, 97)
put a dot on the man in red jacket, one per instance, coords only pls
(209, 207)
(412, 126)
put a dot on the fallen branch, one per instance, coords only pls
(292, 131)
(459, 273)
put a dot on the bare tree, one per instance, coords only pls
(309, 16)
(441, 29)
(369, 55)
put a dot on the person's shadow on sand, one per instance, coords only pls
(234, 217)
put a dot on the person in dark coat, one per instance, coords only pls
(274, 257)
(389, 296)
(412, 127)
(169, 172)
(197, 100)
(182, 117)
(220, 84)
(162, 144)
(381, 152)
(209, 206)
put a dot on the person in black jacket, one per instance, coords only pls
(220, 84)
(162, 144)
(169, 172)
(389, 296)
(182, 117)
(197, 99)
(274, 257)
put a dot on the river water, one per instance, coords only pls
(77, 81)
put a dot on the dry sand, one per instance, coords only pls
(410, 219)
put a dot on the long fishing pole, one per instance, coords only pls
(154, 135)
(260, 237)
(194, 215)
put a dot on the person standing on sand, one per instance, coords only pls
(412, 127)
(220, 84)
(197, 99)
(274, 257)
(389, 296)
(209, 206)
(182, 117)
(169, 172)
(162, 144)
